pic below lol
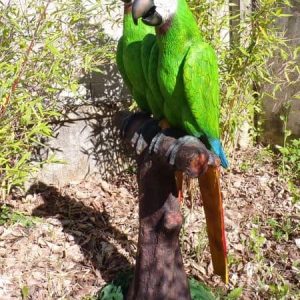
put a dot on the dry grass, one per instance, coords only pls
(73, 240)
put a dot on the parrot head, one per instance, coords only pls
(153, 12)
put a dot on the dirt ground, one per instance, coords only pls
(67, 243)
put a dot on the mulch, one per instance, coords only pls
(79, 237)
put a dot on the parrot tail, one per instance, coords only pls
(213, 208)
(219, 151)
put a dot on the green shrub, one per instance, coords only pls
(8, 217)
(45, 46)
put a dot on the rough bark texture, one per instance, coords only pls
(159, 272)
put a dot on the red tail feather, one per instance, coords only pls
(213, 208)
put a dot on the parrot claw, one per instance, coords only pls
(144, 134)
(125, 125)
(156, 141)
(153, 148)
(128, 120)
(212, 159)
(172, 151)
(134, 139)
(141, 145)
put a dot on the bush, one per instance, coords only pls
(245, 55)
(45, 46)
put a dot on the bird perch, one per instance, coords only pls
(159, 271)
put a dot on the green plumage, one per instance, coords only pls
(137, 59)
(147, 43)
(120, 64)
(129, 58)
(149, 63)
(188, 78)
(156, 99)
(201, 60)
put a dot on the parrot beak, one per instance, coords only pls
(140, 8)
(146, 10)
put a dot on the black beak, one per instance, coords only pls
(145, 9)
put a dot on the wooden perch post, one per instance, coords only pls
(159, 272)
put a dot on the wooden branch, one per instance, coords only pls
(159, 271)
(192, 158)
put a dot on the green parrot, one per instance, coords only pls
(136, 51)
(129, 57)
(187, 74)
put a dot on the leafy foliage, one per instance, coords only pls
(8, 216)
(25, 292)
(257, 241)
(45, 46)
(199, 291)
(282, 231)
(290, 157)
(245, 54)
(111, 292)
(235, 293)
(290, 165)
(290, 152)
(118, 289)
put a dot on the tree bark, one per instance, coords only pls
(159, 271)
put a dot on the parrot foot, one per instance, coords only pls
(128, 120)
(140, 139)
(158, 138)
(155, 143)
(172, 151)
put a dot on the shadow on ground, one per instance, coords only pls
(91, 229)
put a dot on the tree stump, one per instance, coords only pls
(159, 271)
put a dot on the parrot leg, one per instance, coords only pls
(141, 137)
(213, 207)
(164, 124)
(172, 152)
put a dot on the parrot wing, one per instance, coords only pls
(201, 87)
(120, 64)
(157, 99)
(147, 45)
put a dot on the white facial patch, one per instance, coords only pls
(166, 8)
